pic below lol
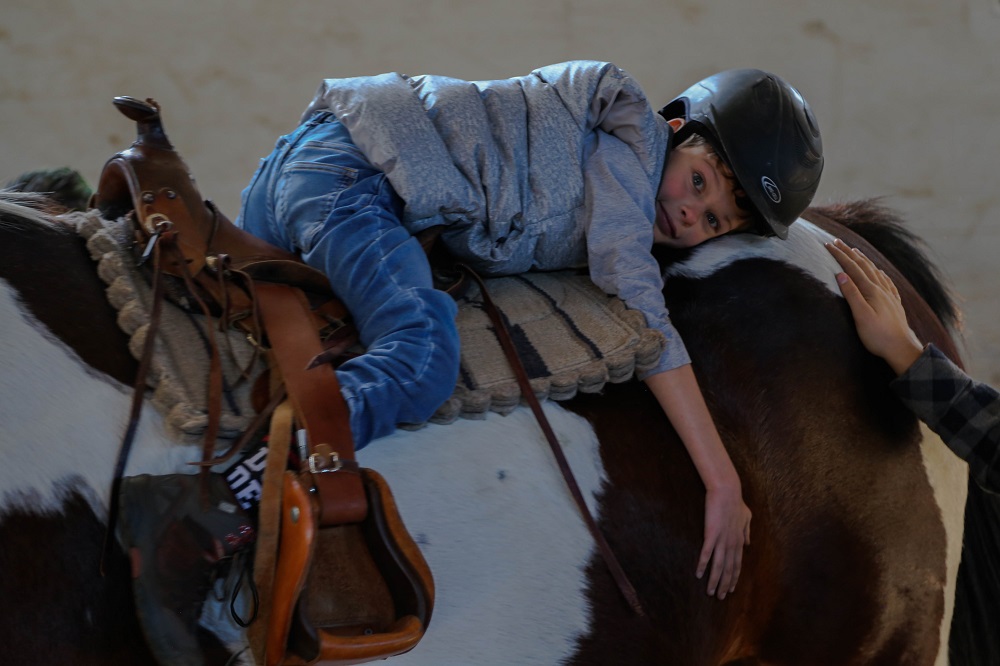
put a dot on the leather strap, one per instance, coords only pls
(163, 241)
(503, 335)
(214, 393)
(268, 525)
(138, 393)
(319, 405)
(297, 545)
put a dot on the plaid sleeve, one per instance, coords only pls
(965, 413)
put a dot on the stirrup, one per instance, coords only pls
(383, 610)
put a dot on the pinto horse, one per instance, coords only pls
(858, 512)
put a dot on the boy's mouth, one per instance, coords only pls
(668, 225)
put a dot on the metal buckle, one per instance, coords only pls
(157, 223)
(324, 460)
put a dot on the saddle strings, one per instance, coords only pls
(138, 392)
(165, 234)
(503, 336)
(214, 402)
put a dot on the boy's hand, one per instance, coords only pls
(727, 517)
(727, 531)
(876, 307)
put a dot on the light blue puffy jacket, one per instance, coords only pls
(551, 170)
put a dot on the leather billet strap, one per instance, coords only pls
(503, 336)
(319, 406)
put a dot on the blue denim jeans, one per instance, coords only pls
(317, 195)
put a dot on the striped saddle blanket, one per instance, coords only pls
(570, 335)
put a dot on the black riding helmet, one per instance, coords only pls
(765, 131)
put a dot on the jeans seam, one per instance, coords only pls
(424, 313)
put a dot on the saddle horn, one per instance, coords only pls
(146, 114)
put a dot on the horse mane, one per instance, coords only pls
(28, 207)
(64, 186)
(38, 196)
(886, 230)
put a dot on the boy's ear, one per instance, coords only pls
(676, 123)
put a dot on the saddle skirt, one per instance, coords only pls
(571, 336)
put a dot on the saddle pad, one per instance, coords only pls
(571, 337)
(178, 373)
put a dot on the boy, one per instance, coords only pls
(965, 413)
(564, 167)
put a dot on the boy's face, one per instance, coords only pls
(696, 201)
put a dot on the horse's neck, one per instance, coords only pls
(926, 324)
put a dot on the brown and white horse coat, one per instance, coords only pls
(856, 533)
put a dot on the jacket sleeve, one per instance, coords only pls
(965, 413)
(619, 228)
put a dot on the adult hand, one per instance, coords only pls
(877, 308)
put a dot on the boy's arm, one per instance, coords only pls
(619, 238)
(727, 517)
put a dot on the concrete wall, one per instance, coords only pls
(906, 92)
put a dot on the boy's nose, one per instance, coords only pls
(689, 215)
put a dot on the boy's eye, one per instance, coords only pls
(713, 221)
(698, 181)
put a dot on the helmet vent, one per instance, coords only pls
(804, 148)
(765, 95)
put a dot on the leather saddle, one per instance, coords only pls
(349, 584)
(151, 182)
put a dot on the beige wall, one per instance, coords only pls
(907, 92)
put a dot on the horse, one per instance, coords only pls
(857, 510)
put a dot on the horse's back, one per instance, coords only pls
(856, 532)
(829, 460)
